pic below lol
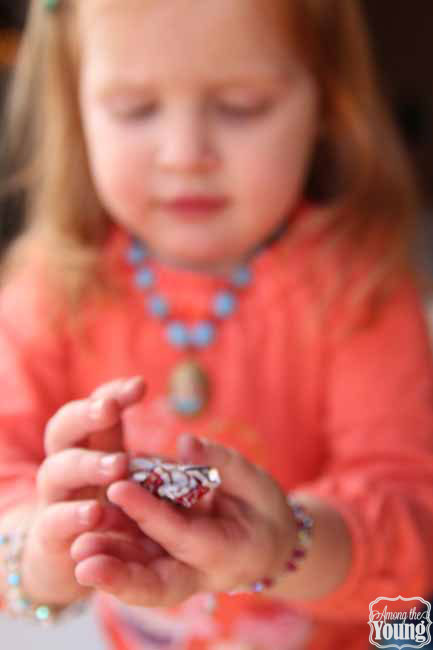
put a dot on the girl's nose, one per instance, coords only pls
(184, 146)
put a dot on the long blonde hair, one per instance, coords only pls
(360, 169)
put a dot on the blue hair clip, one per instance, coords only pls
(51, 5)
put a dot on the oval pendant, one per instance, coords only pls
(188, 388)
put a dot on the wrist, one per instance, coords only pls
(51, 581)
(329, 559)
(22, 599)
(299, 540)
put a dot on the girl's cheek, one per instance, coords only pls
(121, 182)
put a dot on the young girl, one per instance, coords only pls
(215, 243)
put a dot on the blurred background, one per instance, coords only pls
(402, 40)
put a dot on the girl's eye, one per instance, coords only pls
(136, 113)
(244, 112)
(232, 111)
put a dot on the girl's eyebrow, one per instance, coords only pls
(132, 87)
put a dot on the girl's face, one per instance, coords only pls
(187, 98)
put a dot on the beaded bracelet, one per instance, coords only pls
(14, 601)
(305, 524)
(51, 5)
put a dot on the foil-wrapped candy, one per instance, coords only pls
(182, 484)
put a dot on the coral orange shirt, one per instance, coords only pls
(351, 423)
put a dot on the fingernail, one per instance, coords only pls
(110, 495)
(107, 463)
(96, 408)
(86, 513)
(130, 384)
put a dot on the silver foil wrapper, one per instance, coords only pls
(181, 484)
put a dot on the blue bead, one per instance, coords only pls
(14, 579)
(3, 539)
(136, 253)
(224, 303)
(43, 612)
(158, 306)
(144, 278)
(203, 333)
(177, 333)
(241, 277)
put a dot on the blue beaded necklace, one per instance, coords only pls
(189, 386)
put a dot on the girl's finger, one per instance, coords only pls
(165, 582)
(69, 470)
(126, 548)
(197, 540)
(57, 525)
(98, 417)
(129, 392)
(240, 478)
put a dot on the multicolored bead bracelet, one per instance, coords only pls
(14, 601)
(50, 5)
(305, 525)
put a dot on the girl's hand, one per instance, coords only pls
(70, 488)
(244, 532)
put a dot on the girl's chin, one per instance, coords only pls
(194, 253)
(205, 261)
(193, 264)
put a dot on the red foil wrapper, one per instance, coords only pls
(181, 484)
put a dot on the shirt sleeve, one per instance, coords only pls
(33, 379)
(378, 420)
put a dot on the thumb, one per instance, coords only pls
(239, 477)
(190, 449)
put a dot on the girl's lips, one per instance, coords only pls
(192, 204)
